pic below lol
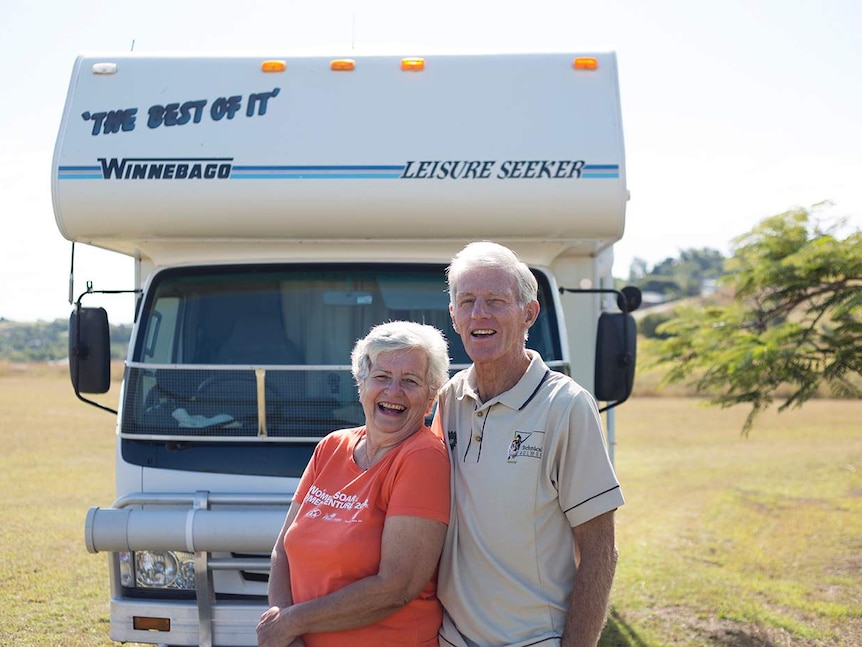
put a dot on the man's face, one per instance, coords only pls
(487, 316)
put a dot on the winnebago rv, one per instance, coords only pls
(276, 209)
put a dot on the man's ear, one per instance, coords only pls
(532, 313)
(452, 317)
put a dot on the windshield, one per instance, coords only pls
(261, 354)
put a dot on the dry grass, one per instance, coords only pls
(57, 461)
(724, 540)
(727, 540)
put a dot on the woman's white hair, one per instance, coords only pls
(403, 335)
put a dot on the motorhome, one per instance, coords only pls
(275, 208)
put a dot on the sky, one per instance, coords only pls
(732, 111)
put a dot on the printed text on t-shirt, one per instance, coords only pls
(339, 500)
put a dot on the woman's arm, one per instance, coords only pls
(271, 632)
(279, 574)
(410, 550)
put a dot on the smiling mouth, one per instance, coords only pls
(483, 332)
(388, 407)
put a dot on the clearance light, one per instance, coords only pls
(343, 65)
(273, 66)
(145, 623)
(585, 63)
(104, 68)
(412, 64)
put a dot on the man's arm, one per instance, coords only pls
(596, 556)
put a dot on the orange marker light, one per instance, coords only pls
(144, 623)
(273, 66)
(412, 64)
(343, 65)
(585, 63)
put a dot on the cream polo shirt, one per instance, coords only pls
(527, 466)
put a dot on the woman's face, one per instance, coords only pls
(395, 396)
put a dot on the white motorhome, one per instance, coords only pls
(276, 208)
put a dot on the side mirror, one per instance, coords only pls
(629, 298)
(616, 351)
(90, 350)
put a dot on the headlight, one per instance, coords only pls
(158, 570)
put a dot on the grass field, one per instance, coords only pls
(724, 540)
(731, 540)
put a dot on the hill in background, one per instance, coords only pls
(49, 341)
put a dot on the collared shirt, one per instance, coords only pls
(527, 466)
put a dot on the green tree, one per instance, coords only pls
(678, 277)
(794, 323)
(696, 266)
(43, 341)
(637, 269)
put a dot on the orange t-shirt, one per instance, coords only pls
(336, 536)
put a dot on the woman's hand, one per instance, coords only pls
(273, 630)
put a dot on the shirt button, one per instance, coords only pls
(477, 438)
(480, 413)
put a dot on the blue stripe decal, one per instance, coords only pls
(314, 172)
(600, 171)
(319, 172)
(79, 173)
(399, 168)
(315, 176)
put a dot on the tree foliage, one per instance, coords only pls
(678, 277)
(794, 322)
(43, 341)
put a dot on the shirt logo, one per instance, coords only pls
(520, 448)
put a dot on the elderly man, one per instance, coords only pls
(529, 556)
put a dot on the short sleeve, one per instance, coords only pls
(587, 482)
(419, 486)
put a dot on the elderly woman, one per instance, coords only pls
(355, 562)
